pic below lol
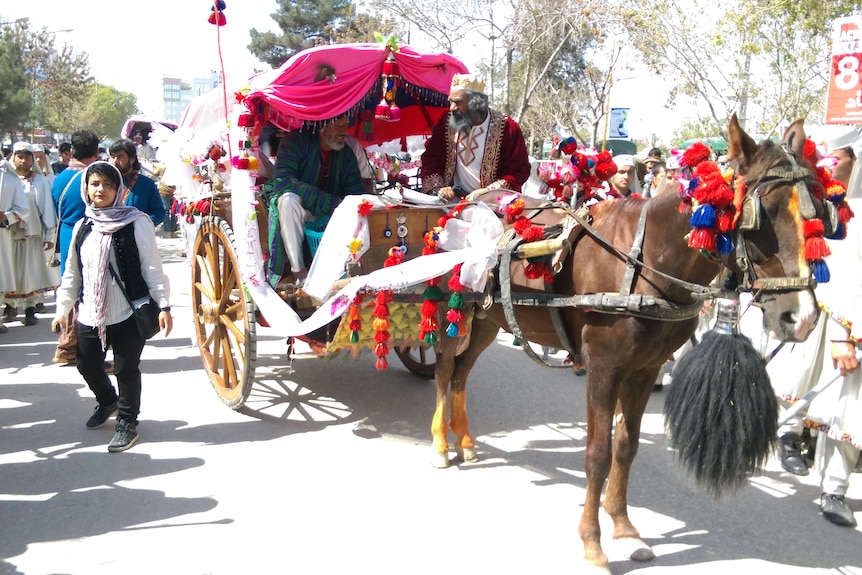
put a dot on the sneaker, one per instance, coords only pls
(835, 509)
(126, 436)
(101, 415)
(40, 307)
(10, 313)
(30, 316)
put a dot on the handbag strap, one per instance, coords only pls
(120, 284)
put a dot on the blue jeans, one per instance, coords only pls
(127, 344)
(170, 219)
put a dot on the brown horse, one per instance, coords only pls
(623, 353)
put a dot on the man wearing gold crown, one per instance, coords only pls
(473, 148)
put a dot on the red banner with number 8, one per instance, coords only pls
(844, 97)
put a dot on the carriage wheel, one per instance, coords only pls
(223, 313)
(419, 359)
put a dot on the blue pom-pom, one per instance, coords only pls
(693, 184)
(725, 244)
(821, 271)
(452, 330)
(221, 6)
(703, 217)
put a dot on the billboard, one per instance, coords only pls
(844, 96)
(619, 127)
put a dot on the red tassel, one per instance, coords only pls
(703, 239)
(535, 271)
(455, 316)
(533, 234)
(382, 310)
(381, 336)
(382, 364)
(725, 220)
(429, 307)
(355, 325)
(381, 349)
(816, 248)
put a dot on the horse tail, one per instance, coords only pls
(721, 414)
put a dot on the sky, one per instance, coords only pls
(132, 46)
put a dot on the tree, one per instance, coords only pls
(766, 60)
(56, 79)
(308, 23)
(104, 111)
(15, 101)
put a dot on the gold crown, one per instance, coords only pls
(468, 82)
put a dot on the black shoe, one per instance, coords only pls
(835, 509)
(10, 313)
(30, 316)
(791, 454)
(40, 307)
(101, 415)
(126, 435)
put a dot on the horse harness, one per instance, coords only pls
(624, 302)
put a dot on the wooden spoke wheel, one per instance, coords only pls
(223, 313)
(419, 359)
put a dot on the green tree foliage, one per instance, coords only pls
(15, 101)
(103, 110)
(56, 79)
(308, 23)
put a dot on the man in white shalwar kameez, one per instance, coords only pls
(32, 275)
(13, 209)
(829, 353)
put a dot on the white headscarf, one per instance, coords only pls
(106, 221)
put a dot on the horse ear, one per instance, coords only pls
(741, 147)
(794, 136)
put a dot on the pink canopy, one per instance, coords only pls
(289, 95)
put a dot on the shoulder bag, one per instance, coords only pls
(146, 313)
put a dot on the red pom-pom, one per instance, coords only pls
(381, 336)
(535, 271)
(381, 349)
(455, 281)
(382, 364)
(809, 152)
(845, 213)
(713, 191)
(705, 168)
(455, 316)
(521, 225)
(605, 169)
(355, 325)
(384, 296)
(695, 154)
(429, 308)
(382, 310)
(702, 239)
(813, 229)
(217, 18)
(533, 234)
(816, 248)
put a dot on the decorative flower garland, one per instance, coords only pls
(382, 162)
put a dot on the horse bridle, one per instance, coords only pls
(749, 220)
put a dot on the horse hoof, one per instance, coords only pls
(635, 549)
(467, 454)
(440, 460)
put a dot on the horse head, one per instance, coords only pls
(778, 197)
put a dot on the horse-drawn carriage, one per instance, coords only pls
(390, 93)
(621, 283)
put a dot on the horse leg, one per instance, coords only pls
(443, 375)
(601, 399)
(482, 335)
(634, 395)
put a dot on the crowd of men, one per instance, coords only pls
(40, 202)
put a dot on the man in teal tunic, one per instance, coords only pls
(314, 171)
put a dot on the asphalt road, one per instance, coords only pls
(326, 471)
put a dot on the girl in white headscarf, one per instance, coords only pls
(105, 317)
